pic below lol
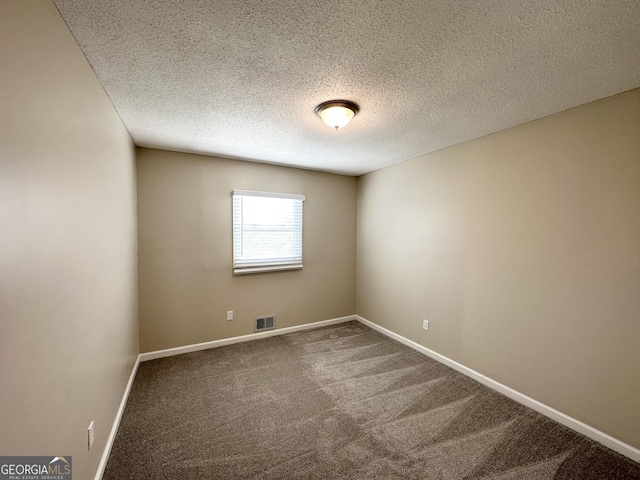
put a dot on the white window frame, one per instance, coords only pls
(243, 261)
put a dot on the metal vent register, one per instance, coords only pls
(265, 323)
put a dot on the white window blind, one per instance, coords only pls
(267, 231)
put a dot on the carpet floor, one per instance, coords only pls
(339, 402)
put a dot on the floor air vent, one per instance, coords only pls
(265, 323)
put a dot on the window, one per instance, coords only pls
(267, 231)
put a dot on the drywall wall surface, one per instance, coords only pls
(185, 249)
(522, 249)
(68, 275)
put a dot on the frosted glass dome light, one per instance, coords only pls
(337, 113)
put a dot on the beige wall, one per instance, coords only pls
(523, 250)
(185, 253)
(68, 295)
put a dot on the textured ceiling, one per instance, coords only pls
(241, 79)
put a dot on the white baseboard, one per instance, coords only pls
(244, 338)
(116, 422)
(580, 427)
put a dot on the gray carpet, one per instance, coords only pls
(340, 402)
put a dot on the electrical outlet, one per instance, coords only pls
(425, 324)
(229, 314)
(90, 436)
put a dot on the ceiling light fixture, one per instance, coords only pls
(337, 113)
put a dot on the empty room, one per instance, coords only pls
(319, 240)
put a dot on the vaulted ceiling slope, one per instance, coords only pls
(241, 78)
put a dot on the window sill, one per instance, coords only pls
(265, 269)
